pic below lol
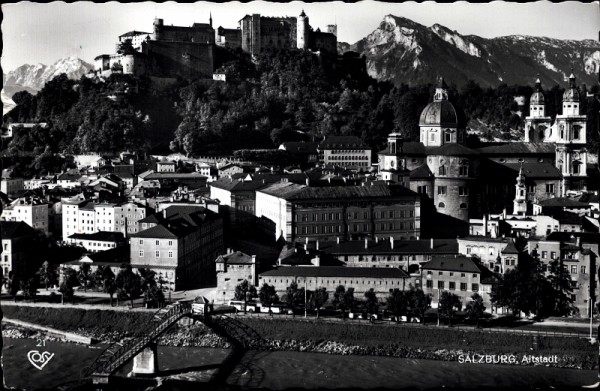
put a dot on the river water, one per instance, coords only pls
(281, 370)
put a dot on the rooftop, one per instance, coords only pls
(292, 191)
(423, 246)
(335, 271)
(101, 236)
(235, 258)
(343, 142)
(457, 264)
(518, 148)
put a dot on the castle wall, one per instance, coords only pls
(198, 33)
(189, 60)
(324, 42)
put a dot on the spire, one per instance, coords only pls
(303, 14)
(210, 19)
(440, 90)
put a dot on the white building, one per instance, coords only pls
(30, 210)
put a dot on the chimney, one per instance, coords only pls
(165, 213)
(431, 243)
(578, 241)
(317, 245)
(392, 242)
(338, 240)
(504, 214)
(485, 223)
(366, 243)
(307, 240)
(376, 239)
(316, 261)
(306, 247)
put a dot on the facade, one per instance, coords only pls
(31, 210)
(497, 254)
(362, 279)
(349, 212)
(345, 151)
(180, 246)
(17, 251)
(128, 216)
(438, 122)
(259, 33)
(577, 253)
(98, 241)
(11, 186)
(232, 269)
(459, 275)
(229, 38)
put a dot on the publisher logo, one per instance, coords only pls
(39, 360)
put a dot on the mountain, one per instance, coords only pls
(403, 51)
(32, 78)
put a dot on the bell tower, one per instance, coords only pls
(520, 202)
(537, 125)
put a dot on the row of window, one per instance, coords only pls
(463, 205)
(304, 230)
(463, 170)
(443, 190)
(156, 254)
(452, 286)
(349, 157)
(157, 242)
(356, 215)
(451, 274)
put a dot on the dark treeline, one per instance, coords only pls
(286, 95)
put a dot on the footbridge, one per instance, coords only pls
(143, 348)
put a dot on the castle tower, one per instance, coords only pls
(302, 28)
(332, 29)
(537, 124)
(520, 202)
(158, 24)
(571, 151)
(210, 19)
(438, 121)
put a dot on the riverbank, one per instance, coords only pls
(431, 343)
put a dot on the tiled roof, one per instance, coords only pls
(421, 172)
(159, 231)
(586, 237)
(174, 175)
(101, 236)
(510, 248)
(15, 229)
(563, 202)
(535, 170)
(457, 264)
(343, 142)
(132, 33)
(336, 271)
(451, 150)
(292, 191)
(112, 256)
(440, 246)
(301, 147)
(518, 148)
(235, 258)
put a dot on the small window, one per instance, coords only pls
(463, 206)
(441, 205)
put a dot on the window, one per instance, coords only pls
(441, 205)
(583, 270)
(442, 170)
(576, 131)
(475, 287)
(442, 190)
(463, 206)
(170, 242)
(463, 170)
(475, 276)
(422, 189)
(429, 272)
(141, 241)
(573, 269)
(576, 168)
(544, 254)
(429, 284)
(440, 284)
(158, 242)
(440, 273)
(549, 187)
(448, 137)
(553, 254)
(463, 275)
(141, 253)
(463, 286)
(463, 191)
(452, 285)
(157, 254)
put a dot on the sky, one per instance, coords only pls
(43, 33)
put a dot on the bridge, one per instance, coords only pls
(119, 353)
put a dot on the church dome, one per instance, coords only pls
(537, 98)
(572, 93)
(440, 112)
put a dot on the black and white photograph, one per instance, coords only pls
(300, 196)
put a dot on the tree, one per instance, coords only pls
(29, 286)
(244, 291)
(13, 285)
(561, 283)
(267, 295)
(85, 276)
(152, 293)
(398, 303)
(129, 284)
(318, 298)
(294, 297)
(68, 284)
(448, 305)
(47, 274)
(343, 299)
(371, 302)
(475, 307)
(109, 283)
(419, 302)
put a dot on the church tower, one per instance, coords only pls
(571, 151)
(302, 28)
(520, 202)
(537, 124)
(438, 122)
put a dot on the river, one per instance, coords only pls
(281, 370)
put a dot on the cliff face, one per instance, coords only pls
(403, 51)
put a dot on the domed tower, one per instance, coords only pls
(438, 121)
(537, 124)
(571, 152)
(520, 201)
(302, 28)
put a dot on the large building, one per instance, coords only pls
(299, 212)
(259, 33)
(17, 250)
(232, 269)
(31, 210)
(180, 246)
(345, 151)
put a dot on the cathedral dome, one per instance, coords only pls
(440, 112)
(537, 98)
(572, 93)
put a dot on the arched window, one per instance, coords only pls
(441, 205)
(576, 132)
(463, 206)
(576, 167)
